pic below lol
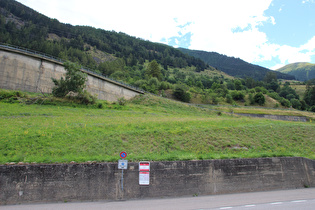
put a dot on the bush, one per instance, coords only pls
(259, 98)
(74, 81)
(261, 89)
(251, 99)
(296, 104)
(274, 95)
(122, 101)
(86, 98)
(181, 94)
(100, 106)
(285, 102)
(229, 98)
(165, 85)
(237, 95)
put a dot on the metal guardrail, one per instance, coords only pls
(43, 55)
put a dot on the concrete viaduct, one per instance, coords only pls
(22, 69)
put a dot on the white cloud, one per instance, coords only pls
(214, 32)
(213, 24)
(287, 54)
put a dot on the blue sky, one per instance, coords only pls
(270, 33)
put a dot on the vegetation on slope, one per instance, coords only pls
(302, 71)
(22, 26)
(129, 59)
(147, 128)
(234, 66)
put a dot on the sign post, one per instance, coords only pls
(144, 173)
(123, 165)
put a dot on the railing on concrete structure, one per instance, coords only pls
(46, 56)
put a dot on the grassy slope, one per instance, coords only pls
(302, 71)
(148, 128)
(293, 66)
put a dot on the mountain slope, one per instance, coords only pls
(23, 26)
(302, 71)
(234, 66)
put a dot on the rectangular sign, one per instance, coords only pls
(144, 166)
(144, 178)
(122, 164)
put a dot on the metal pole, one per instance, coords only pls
(122, 180)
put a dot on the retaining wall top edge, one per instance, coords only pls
(163, 162)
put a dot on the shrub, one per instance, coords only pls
(122, 101)
(181, 94)
(86, 98)
(285, 102)
(237, 95)
(100, 106)
(259, 98)
(261, 89)
(74, 81)
(251, 99)
(229, 98)
(296, 104)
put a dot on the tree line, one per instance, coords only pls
(156, 68)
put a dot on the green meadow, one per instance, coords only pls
(147, 128)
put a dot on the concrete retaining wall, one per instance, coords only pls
(101, 181)
(28, 72)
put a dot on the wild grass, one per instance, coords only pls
(147, 128)
(262, 110)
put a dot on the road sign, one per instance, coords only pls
(122, 164)
(123, 155)
(144, 173)
(144, 178)
(144, 166)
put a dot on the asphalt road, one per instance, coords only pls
(303, 199)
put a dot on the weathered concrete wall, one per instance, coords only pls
(27, 72)
(101, 181)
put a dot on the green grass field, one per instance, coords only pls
(147, 128)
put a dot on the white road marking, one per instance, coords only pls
(298, 201)
(248, 206)
(226, 207)
(276, 203)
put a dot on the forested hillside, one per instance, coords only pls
(302, 71)
(153, 67)
(234, 66)
(22, 26)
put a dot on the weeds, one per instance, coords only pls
(65, 132)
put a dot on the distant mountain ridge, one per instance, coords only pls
(234, 66)
(24, 27)
(302, 71)
(109, 53)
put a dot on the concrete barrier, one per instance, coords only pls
(102, 181)
(29, 72)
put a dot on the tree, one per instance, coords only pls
(73, 82)
(154, 69)
(287, 92)
(296, 104)
(309, 95)
(270, 77)
(238, 85)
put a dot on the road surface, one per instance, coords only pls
(278, 200)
